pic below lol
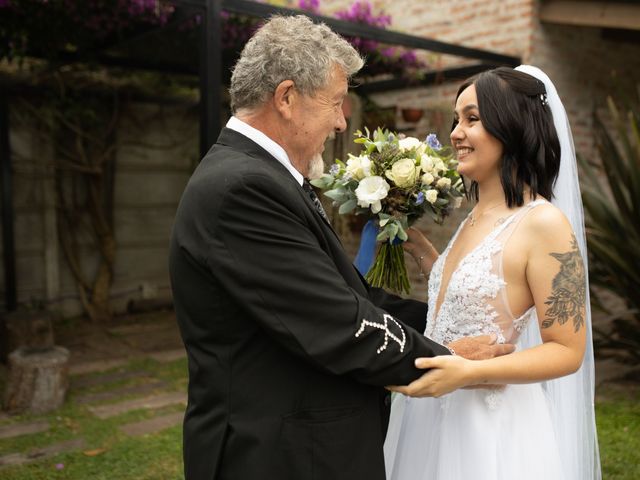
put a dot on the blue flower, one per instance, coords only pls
(334, 170)
(420, 198)
(432, 141)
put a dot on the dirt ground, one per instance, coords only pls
(127, 336)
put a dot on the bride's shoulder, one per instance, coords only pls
(546, 221)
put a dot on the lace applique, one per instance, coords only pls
(465, 310)
(493, 398)
(467, 307)
(519, 324)
(388, 334)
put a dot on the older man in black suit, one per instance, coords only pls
(288, 346)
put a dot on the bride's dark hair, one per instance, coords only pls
(513, 108)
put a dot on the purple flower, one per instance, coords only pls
(59, 466)
(334, 170)
(310, 5)
(361, 12)
(432, 141)
(420, 198)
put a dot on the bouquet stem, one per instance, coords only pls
(389, 269)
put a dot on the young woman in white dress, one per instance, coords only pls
(515, 269)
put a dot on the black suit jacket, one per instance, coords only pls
(269, 305)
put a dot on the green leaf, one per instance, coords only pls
(382, 236)
(323, 182)
(347, 207)
(337, 194)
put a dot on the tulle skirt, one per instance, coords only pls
(481, 434)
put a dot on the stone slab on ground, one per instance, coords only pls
(18, 429)
(152, 425)
(136, 328)
(120, 392)
(40, 453)
(98, 365)
(155, 401)
(161, 339)
(107, 378)
(168, 356)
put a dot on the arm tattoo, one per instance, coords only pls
(568, 290)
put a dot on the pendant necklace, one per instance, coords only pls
(473, 219)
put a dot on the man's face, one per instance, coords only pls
(315, 118)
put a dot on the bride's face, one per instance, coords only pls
(478, 151)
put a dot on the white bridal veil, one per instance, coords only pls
(571, 398)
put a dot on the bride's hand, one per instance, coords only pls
(418, 246)
(447, 373)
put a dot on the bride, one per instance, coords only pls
(515, 269)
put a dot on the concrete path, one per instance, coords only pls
(147, 403)
(40, 453)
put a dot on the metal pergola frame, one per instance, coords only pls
(211, 84)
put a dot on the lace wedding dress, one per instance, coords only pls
(492, 434)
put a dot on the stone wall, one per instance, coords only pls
(157, 149)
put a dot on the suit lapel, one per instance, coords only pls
(236, 140)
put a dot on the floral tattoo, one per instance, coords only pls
(568, 292)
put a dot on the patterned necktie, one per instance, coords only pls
(314, 198)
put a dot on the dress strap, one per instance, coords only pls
(516, 216)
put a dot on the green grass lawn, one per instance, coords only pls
(158, 456)
(618, 420)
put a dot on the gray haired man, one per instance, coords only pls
(288, 346)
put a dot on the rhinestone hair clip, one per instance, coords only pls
(543, 99)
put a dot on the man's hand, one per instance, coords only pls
(447, 373)
(480, 348)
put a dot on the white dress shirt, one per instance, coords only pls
(265, 142)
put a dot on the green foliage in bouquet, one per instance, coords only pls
(613, 229)
(394, 180)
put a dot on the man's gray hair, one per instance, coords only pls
(289, 48)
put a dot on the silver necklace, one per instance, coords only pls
(473, 219)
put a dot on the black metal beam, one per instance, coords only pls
(134, 63)
(373, 33)
(8, 244)
(210, 75)
(429, 78)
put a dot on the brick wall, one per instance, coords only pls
(585, 69)
(577, 59)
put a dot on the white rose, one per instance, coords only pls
(427, 179)
(403, 173)
(440, 166)
(444, 183)
(370, 191)
(427, 162)
(408, 143)
(358, 167)
(457, 202)
(431, 196)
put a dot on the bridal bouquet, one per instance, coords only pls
(394, 180)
